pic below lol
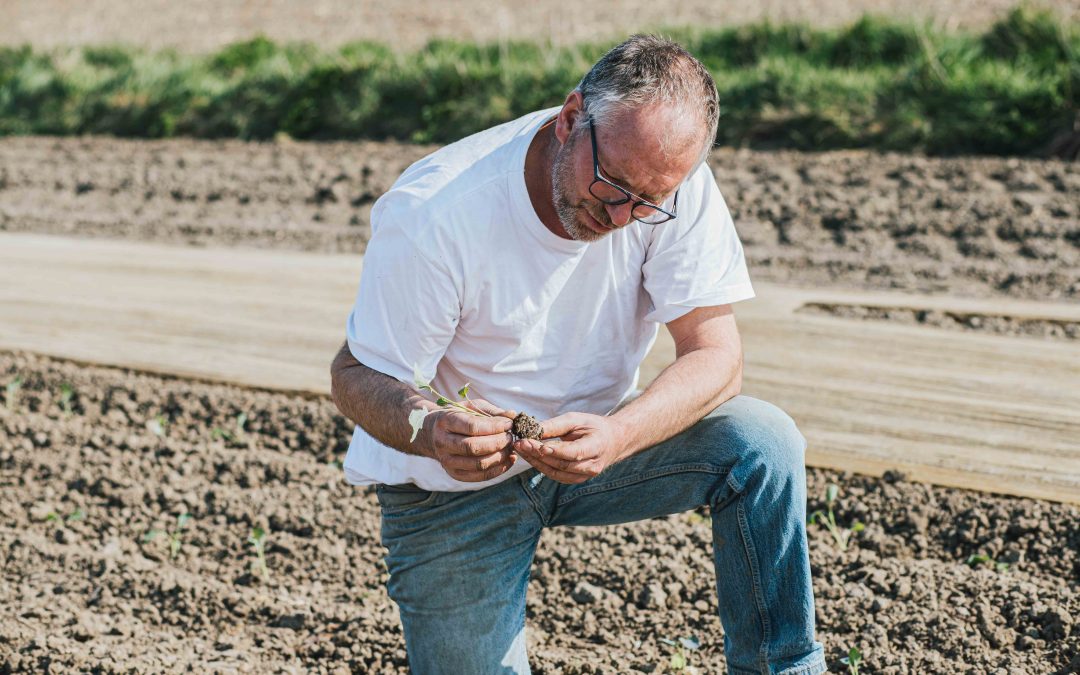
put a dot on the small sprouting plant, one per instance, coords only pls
(173, 536)
(984, 559)
(524, 426)
(241, 423)
(11, 393)
(159, 426)
(76, 515)
(678, 657)
(66, 394)
(258, 540)
(852, 660)
(842, 535)
(416, 417)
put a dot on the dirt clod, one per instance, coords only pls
(526, 426)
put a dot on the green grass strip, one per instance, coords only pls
(877, 83)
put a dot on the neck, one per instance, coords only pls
(538, 162)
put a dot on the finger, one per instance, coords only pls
(478, 476)
(478, 446)
(475, 464)
(561, 425)
(558, 453)
(554, 473)
(491, 409)
(472, 425)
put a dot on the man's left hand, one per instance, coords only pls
(575, 447)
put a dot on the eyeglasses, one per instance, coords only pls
(611, 194)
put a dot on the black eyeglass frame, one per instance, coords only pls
(638, 201)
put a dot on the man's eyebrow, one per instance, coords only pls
(626, 184)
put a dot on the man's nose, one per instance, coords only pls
(619, 215)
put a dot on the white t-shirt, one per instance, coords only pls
(463, 279)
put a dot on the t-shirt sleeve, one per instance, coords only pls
(407, 307)
(695, 260)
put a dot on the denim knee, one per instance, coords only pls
(769, 445)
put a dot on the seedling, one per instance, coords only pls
(11, 393)
(173, 536)
(159, 426)
(76, 515)
(524, 426)
(678, 658)
(852, 660)
(258, 540)
(983, 559)
(842, 535)
(66, 394)
(241, 422)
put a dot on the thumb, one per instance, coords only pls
(560, 425)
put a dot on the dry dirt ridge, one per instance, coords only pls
(971, 226)
(200, 25)
(85, 475)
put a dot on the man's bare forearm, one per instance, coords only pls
(378, 403)
(685, 392)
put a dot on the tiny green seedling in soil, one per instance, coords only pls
(66, 394)
(524, 426)
(173, 536)
(159, 426)
(842, 535)
(852, 660)
(258, 540)
(983, 559)
(11, 393)
(225, 434)
(685, 644)
(74, 516)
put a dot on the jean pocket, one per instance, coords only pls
(397, 498)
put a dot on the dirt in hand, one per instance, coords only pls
(526, 426)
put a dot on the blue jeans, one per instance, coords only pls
(459, 561)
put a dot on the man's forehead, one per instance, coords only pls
(652, 148)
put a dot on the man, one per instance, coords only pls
(536, 260)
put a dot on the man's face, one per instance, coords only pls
(631, 155)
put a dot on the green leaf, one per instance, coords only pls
(419, 380)
(444, 401)
(858, 527)
(182, 520)
(151, 536)
(830, 492)
(53, 515)
(464, 391)
(977, 558)
(241, 421)
(678, 661)
(78, 515)
(416, 421)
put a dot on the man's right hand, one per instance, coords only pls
(469, 447)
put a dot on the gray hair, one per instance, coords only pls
(648, 69)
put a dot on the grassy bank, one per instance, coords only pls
(877, 83)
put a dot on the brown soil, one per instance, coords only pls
(200, 25)
(970, 226)
(84, 591)
(966, 321)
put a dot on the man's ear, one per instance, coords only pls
(570, 115)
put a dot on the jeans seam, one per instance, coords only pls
(643, 476)
(755, 575)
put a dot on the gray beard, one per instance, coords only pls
(567, 212)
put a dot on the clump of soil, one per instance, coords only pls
(125, 453)
(526, 426)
